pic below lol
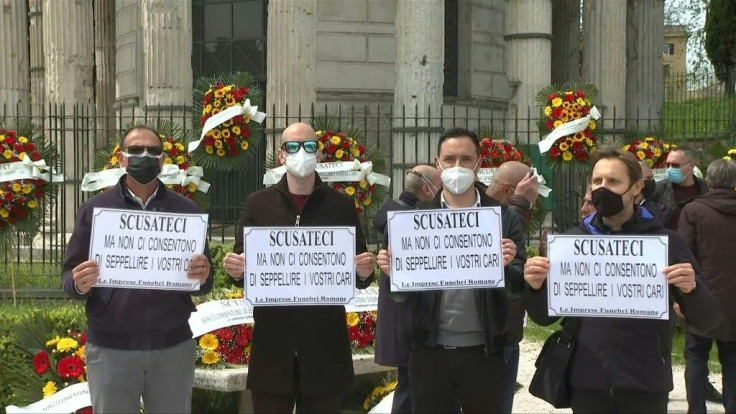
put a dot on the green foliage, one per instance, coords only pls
(218, 252)
(720, 40)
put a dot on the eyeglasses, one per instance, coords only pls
(292, 147)
(143, 151)
(676, 164)
(424, 179)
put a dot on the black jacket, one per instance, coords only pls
(393, 328)
(318, 335)
(491, 303)
(633, 354)
(664, 199)
(131, 319)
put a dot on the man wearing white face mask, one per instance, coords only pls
(459, 334)
(680, 186)
(300, 354)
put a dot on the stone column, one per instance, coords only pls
(38, 94)
(566, 41)
(14, 76)
(420, 59)
(529, 59)
(644, 87)
(104, 38)
(604, 56)
(68, 67)
(167, 57)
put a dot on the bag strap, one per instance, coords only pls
(570, 329)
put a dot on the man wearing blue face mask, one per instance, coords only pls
(680, 186)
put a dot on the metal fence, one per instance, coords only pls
(402, 137)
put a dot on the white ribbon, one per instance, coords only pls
(226, 115)
(485, 175)
(568, 128)
(68, 400)
(29, 170)
(170, 174)
(341, 171)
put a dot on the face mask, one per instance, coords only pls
(606, 202)
(649, 187)
(143, 169)
(457, 180)
(301, 164)
(675, 175)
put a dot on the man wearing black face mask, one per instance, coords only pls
(619, 364)
(644, 199)
(139, 344)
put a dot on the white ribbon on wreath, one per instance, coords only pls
(28, 169)
(170, 174)
(68, 400)
(568, 128)
(226, 115)
(341, 171)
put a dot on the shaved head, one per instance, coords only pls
(299, 131)
(423, 181)
(505, 180)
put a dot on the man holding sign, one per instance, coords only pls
(139, 344)
(622, 357)
(300, 353)
(458, 333)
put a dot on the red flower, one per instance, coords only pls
(87, 410)
(245, 132)
(557, 113)
(9, 138)
(233, 151)
(345, 144)
(554, 152)
(584, 111)
(243, 90)
(70, 367)
(569, 97)
(552, 96)
(237, 120)
(577, 146)
(361, 149)
(41, 362)
(225, 334)
(241, 340)
(238, 96)
(580, 94)
(581, 156)
(587, 132)
(83, 338)
(184, 166)
(550, 124)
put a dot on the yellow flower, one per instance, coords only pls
(356, 203)
(23, 140)
(643, 145)
(167, 160)
(626, 147)
(727, 158)
(352, 319)
(180, 146)
(588, 142)
(27, 188)
(367, 201)
(244, 145)
(81, 378)
(114, 160)
(558, 123)
(180, 159)
(339, 153)
(640, 155)
(4, 213)
(22, 155)
(657, 152)
(547, 110)
(208, 342)
(350, 190)
(363, 184)
(67, 344)
(208, 149)
(356, 152)
(219, 93)
(80, 351)
(192, 187)
(566, 104)
(211, 358)
(591, 125)
(228, 88)
(170, 186)
(167, 146)
(207, 109)
(221, 152)
(666, 146)
(236, 130)
(732, 152)
(556, 102)
(8, 154)
(2, 137)
(215, 133)
(321, 145)
(648, 139)
(216, 103)
(32, 204)
(580, 101)
(335, 139)
(226, 133)
(16, 187)
(567, 156)
(578, 137)
(218, 144)
(49, 389)
(650, 163)
(319, 133)
(564, 146)
(215, 111)
(53, 342)
(246, 119)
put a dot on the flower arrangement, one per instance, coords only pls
(652, 150)
(378, 394)
(562, 108)
(338, 146)
(61, 363)
(496, 151)
(361, 330)
(731, 154)
(225, 346)
(227, 144)
(18, 198)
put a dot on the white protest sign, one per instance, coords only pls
(140, 249)
(659, 174)
(457, 248)
(68, 400)
(299, 265)
(486, 174)
(608, 276)
(218, 314)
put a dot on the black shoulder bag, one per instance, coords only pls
(551, 379)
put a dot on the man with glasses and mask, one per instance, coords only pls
(139, 344)
(680, 186)
(300, 354)
(393, 328)
(458, 335)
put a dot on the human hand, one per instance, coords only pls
(234, 265)
(527, 188)
(85, 276)
(535, 271)
(678, 311)
(199, 268)
(508, 248)
(681, 275)
(384, 261)
(364, 264)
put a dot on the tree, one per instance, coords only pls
(720, 41)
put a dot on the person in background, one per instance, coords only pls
(680, 186)
(708, 224)
(645, 197)
(587, 208)
(393, 328)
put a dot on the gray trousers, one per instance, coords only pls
(119, 378)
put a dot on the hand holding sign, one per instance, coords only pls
(234, 265)
(681, 275)
(535, 271)
(508, 249)
(199, 268)
(85, 275)
(364, 264)
(384, 261)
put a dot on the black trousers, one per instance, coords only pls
(402, 393)
(697, 352)
(618, 401)
(441, 378)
